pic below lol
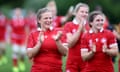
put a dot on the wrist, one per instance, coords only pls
(92, 52)
(57, 40)
(39, 41)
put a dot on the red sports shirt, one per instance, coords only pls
(48, 56)
(3, 26)
(74, 53)
(100, 62)
(18, 30)
(57, 21)
(31, 22)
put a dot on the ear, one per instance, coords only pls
(39, 21)
(90, 24)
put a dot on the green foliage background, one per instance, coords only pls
(110, 7)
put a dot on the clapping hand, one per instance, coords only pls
(93, 47)
(41, 37)
(81, 24)
(104, 48)
(57, 36)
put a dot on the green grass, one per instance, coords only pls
(8, 67)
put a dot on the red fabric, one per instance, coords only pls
(119, 65)
(3, 26)
(31, 23)
(48, 54)
(15, 62)
(45, 68)
(57, 21)
(72, 28)
(100, 62)
(106, 24)
(74, 61)
(75, 64)
(87, 27)
(18, 34)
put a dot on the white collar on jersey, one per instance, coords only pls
(39, 29)
(76, 22)
(91, 31)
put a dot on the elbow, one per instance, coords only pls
(70, 44)
(29, 55)
(84, 59)
(116, 53)
(65, 52)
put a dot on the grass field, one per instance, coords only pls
(8, 67)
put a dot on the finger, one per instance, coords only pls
(59, 34)
(41, 36)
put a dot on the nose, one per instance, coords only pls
(85, 14)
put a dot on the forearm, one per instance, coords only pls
(65, 18)
(87, 56)
(112, 52)
(62, 49)
(33, 51)
(74, 39)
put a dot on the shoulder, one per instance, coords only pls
(108, 32)
(58, 29)
(69, 23)
(34, 33)
(85, 35)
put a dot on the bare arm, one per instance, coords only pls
(113, 51)
(86, 55)
(72, 39)
(116, 34)
(31, 52)
(63, 48)
(68, 15)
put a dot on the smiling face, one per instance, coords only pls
(98, 21)
(82, 12)
(46, 20)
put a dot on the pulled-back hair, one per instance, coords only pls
(40, 12)
(92, 15)
(77, 7)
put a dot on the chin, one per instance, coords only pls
(99, 28)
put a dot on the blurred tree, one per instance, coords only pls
(110, 7)
(12, 3)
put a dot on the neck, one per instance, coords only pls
(78, 19)
(95, 30)
(43, 29)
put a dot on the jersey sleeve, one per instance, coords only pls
(30, 41)
(64, 38)
(111, 39)
(67, 27)
(84, 42)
